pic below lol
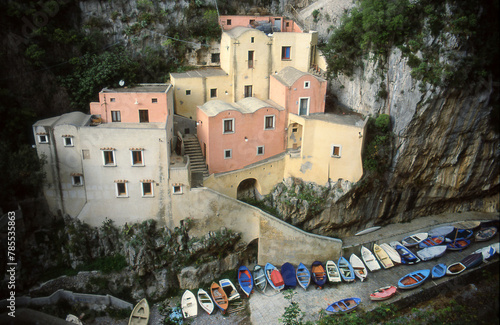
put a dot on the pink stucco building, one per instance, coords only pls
(143, 103)
(234, 135)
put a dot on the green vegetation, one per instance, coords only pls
(377, 149)
(293, 315)
(376, 26)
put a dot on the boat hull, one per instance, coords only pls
(438, 271)
(343, 306)
(413, 279)
(274, 277)
(359, 268)
(345, 269)
(318, 273)
(383, 293)
(245, 280)
(259, 278)
(303, 276)
(289, 275)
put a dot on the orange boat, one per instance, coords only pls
(219, 296)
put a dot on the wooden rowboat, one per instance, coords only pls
(358, 267)
(189, 305)
(274, 277)
(407, 257)
(259, 278)
(343, 306)
(391, 252)
(332, 271)
(318, 274)
(382, 257)
(459, 244)
(467, 224)
(438, 271)
(429, 253)
(413, 279)
(245, 280)
(486, 234)
(431, 241)
(219, 297)
(205, 301)
(229, 289)
(455, 268)
(369, 259)
(303, 276)
(289, 276)
(383, 293)
(415, 239)
(472, 260)
(140, 313)
(346, 270)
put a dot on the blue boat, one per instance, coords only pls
(245, 280)
(274, 277)
(432, 241)
(318, 273)
(458, 244)
(413, 279)
(438, 271)
(303, 276)
(459, 234)
(343, 306)
(346, 270)
(441, 231)
(289, 276)
(407, 257)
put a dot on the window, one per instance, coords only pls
(248, 91)
(294, 130)
(68, 141)
(121, 189)
(213, 93)
(304, 106)
(228, 153)
(260, 150)
(269, 122)
(154, 100)
(336, 151)
(77, 180)
(188, 92)
(43, 138)
(250, 59)
(287, 24)
(285, 53)
(109, 157)
(147, 189)
(177, 189)
(228, 125)
(112, 100)
(252, 39)
(215, 57)
(137, 159)
(228, 22)
(116, 116)
(307, 85)
(143, 116)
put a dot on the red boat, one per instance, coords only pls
(384, 293)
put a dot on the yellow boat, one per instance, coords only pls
(140, 314)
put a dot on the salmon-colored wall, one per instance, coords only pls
(202, 132)
(245, 125)
(278, 92)
(129, 111)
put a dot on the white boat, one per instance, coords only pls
(189, 305)
(455, 268)
(487, 252)
(73, 319)
(467, 224)
(429, 253)
(415, 239)
(229, 289)
(393, 253)
(369, 259)
(394, 244)
(140, 313)
(441, 231)
(496, 246)
(367, 231)
(382, 257)
(332, 271)
(358, 266)
(205, 301)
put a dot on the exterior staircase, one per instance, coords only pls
(193, 150)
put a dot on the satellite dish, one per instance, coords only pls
(121, 83)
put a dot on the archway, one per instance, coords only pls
(248, 189)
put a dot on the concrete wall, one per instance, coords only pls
(267, 174)
(279, 242)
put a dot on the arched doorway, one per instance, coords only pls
(248, 189)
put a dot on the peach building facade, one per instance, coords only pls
(143, 103)
(234, 135)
